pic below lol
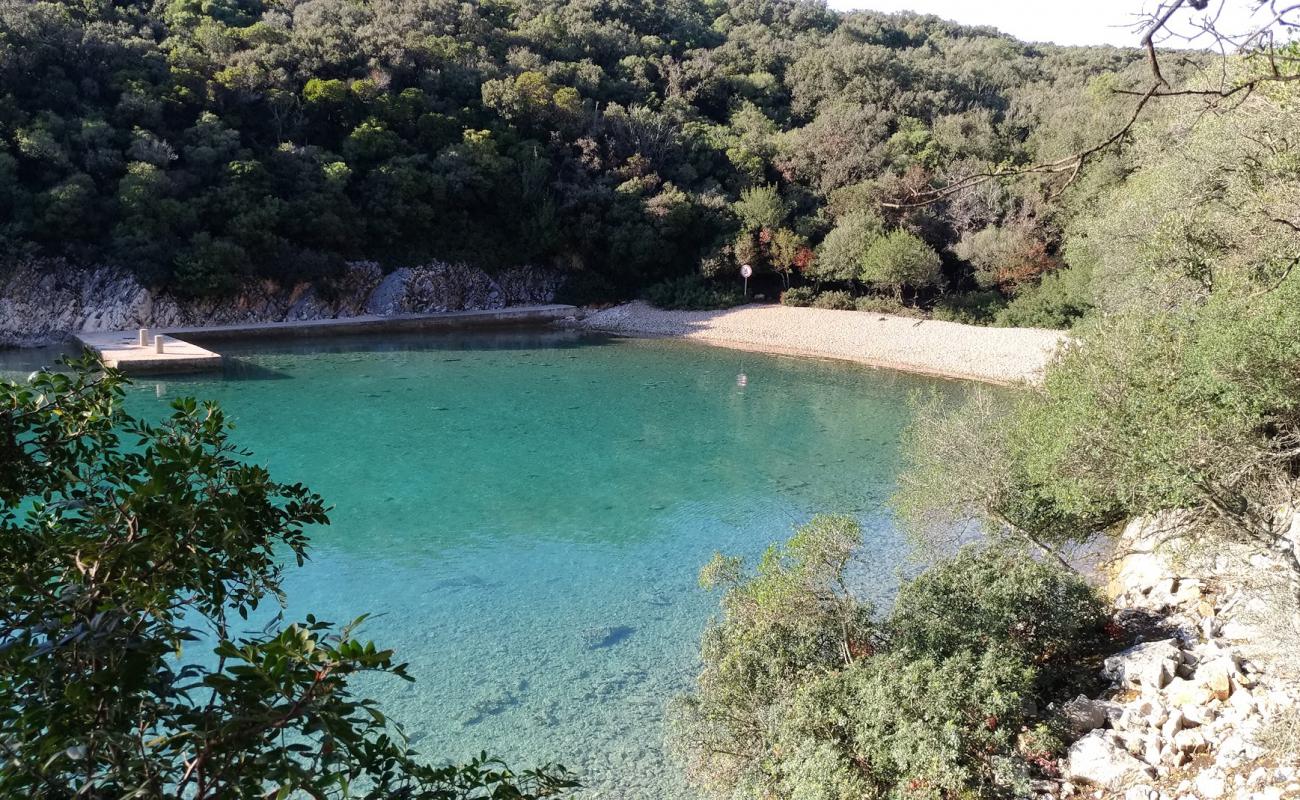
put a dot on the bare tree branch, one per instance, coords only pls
(1256, 46)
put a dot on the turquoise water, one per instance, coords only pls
(527, 514)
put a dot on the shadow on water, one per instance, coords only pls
(239, 369)
(605, 638)
(488, 339)
(19, 362)
(241, 356)
(246, 359)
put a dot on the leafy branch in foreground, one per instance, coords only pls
(122, 542)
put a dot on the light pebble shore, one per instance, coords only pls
(948, 349)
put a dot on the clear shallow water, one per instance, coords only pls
(527, 514)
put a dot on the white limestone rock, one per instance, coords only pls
(1098, 761)
(1150, 664)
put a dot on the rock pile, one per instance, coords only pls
(1190, 715)
(42, 300)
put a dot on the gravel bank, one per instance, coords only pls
(995, 355)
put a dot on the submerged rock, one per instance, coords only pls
(599, 638)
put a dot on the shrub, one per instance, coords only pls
(965, 463)
(788, 621)
(1058, 301)
(798, 296)
(210, 267)
(1035, 612)
(586, 289)
(836, 300)
(788, 252)
(692, 293)
(839, 256)
(970, 308)
(1006, 258)
(900, 259)
(902, 726)
(761, 207)
(802, 695)
(1195, 408)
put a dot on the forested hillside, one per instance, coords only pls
(202, 142)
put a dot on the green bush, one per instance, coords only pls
(839, 256)
(902, 726)
(1195, 408)
(692, 293)
(1036, 612)
(1058, 301)
(969, 461)
(803, 695)
(798, 296)
(210, 267)
(587, 289)
(970, 308)
(837, 300)
(900, 259)
(1008, 258)
(787, 622)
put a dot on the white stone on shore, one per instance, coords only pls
(1190, 705)
(1098, 761)
(1151, 664)
(1082, 714)
(1210, 786)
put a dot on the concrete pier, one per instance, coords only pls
(129, 352)
(123, 350)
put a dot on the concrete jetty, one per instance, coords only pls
(123, 349)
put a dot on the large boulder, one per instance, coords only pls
(1083, 714)
(387, 297)
(450, 287)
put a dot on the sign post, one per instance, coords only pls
(745, 272)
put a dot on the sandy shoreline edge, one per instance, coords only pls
(1004, 356)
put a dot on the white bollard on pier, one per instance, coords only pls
(144, 337)
(157, 344)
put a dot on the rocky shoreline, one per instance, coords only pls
(1207, 704)
(41, 301)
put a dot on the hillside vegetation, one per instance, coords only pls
(625, 143)
(1176, 401)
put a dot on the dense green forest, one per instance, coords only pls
(624, 143)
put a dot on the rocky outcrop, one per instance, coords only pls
(41, 301)
(1208, 705)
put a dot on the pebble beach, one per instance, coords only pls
(932, 347)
